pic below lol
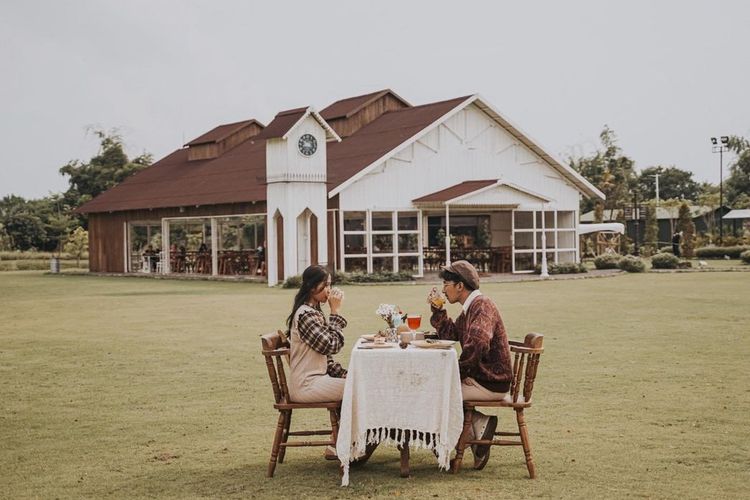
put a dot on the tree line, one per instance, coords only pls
(48, 223)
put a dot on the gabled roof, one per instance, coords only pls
(286, 121)
(661, 213)
(738, 214)
(567, 172)
(379, 138)
(349, 106)
(222, 132)
(466, 193)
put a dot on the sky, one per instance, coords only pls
(665, 76)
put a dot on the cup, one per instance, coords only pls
(418, 335)
(414, 320)
(406, 337)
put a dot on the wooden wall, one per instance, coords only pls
(347, 126)
(215, 149)
(107, 230)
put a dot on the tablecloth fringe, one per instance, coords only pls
(417, 440)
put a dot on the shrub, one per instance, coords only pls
(292, 282)
(664, 261)
(32, 265)
(745, 256)
(714, 252)
(381, 277)
(631, 264)
(563, 268)
(684, 264)
(7, 266)
(665, 249)
(607, 261)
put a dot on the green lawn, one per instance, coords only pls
(116, 387)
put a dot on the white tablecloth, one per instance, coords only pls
(415, 391)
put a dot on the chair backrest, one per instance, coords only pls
(525, 363)
(275, 349)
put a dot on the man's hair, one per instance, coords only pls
(446, 275)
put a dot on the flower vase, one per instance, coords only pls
(391, 334)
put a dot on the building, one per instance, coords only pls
(370, 183)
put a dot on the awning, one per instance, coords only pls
(738, 214)
(606, 227)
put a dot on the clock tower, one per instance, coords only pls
(296, 192)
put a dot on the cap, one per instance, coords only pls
(467, 272)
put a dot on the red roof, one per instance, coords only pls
(461, 189)
(238, 175)
(222, 132)
(347, 107)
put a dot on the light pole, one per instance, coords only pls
(716, 147)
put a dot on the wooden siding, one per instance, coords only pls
(106, 241)
(203, 151)
(345, 127)
(314, 240)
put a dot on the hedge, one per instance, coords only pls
(745, 256)
(664, 261)
(563, 268)
(631, 264)
(607, 261)
(714, 252)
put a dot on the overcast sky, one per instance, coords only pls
(666, 76)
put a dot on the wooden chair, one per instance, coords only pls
(525, 364)
(276, 353)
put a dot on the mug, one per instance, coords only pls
(406, 337)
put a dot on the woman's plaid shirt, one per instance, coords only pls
(324, 337)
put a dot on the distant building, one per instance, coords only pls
(370, 183)
(703, 218)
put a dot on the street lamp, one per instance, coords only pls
(721, 149)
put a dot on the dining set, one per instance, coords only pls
(408, 396)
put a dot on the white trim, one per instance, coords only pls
(351, 180)
(499, 183)
(583, 185)
(310, 111)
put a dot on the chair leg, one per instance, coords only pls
(525, 443)
(285, 435)
(466, 435)
(276, 444)
(334, 416)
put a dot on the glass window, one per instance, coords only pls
(408, 243)
(524, 261)
(550, 243)
(565, 220)
(355, 264)
(355, 244)
(409, 264)
(407, 221)
(354, 221)
(566, 239)
(524, 220)
(566, 257)
(382, 264)
(382, 221)
(524, 241)
(382, 243)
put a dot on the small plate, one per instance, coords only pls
(370, 337)
(375, 346)
(435, 344)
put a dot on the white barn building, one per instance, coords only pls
(369, 183)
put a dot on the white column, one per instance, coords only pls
(447, 236)
(544, 273)
(214, 247)
(166, 259)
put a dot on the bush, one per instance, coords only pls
(631, 264)
(292, 282)
(607, 261)
(684, 264)
(745, 256)
(664, 261)
(382, 277)
(13, 255)
(665, 249)
(7, 266)
(563, 268)
(32, 265)
(715, 252)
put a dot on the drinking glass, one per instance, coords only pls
(413, 321)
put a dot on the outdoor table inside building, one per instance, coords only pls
(407, 397)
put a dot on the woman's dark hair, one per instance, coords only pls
(446, 275)
(312, 277)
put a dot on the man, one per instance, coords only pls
(485, 364)
(676, 243)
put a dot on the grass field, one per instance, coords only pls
(117, 387)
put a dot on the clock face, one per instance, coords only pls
(307, 145)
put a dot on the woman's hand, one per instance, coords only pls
(335, 298)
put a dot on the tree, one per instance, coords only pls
(105, 170)
(738, 182)
(609, 170)
(673, 183)
(23, 226)
(687, 227)
(78, 244)
(710, 200)
(651, 236)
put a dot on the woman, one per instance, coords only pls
(315, 377)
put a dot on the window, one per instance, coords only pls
(559, 238)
